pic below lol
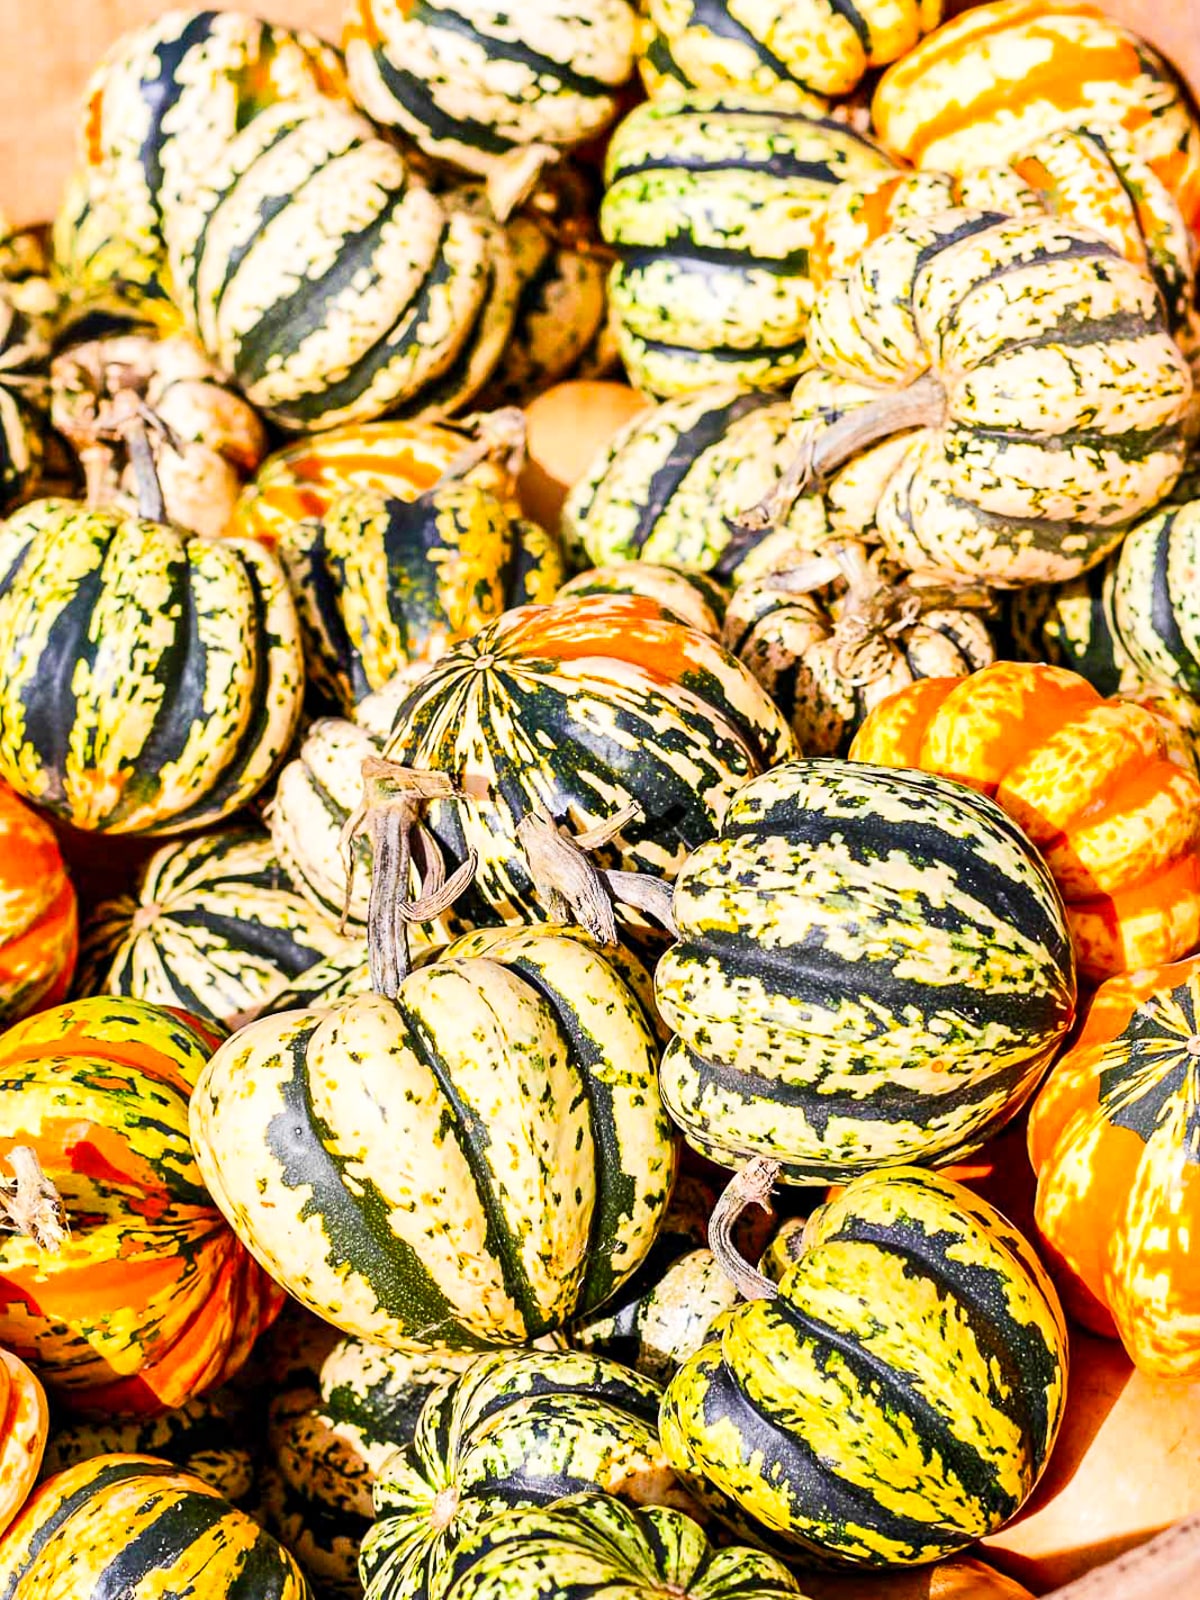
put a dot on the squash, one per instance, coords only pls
(949, 419)
(692, 597)
(24, 362)
(326, 982)
(833, 635)
(711, 206)
(592, 1545)
(671, 481)
(139, 1527)
(1072, 625)
(1112, 1142)
(519, 1429)
(215, 927)
(775, 47)
(1090, 783)
(483, 88)
(38, 913)
(895, 1397)
(991, 82)
(566, 428)
(1155, 610)
(23, 1438)
(525, 1162)
(873, 968)
(149, 1299)
(384, 585)
(100, 268)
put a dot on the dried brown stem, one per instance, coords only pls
(751, 1185)
(498, 436)
(30, 1204)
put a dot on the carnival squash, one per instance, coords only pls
(38, 913)
(691, 597)
(23, 1433)
(1090, 783)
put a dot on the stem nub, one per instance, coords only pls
(575, 889)
(750, 1185)
(30, 1204)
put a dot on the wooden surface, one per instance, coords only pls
(48, 47)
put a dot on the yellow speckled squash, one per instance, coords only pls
(691, 596)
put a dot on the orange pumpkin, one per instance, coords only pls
(38, 916)
(1091, 783)
(991, 82)
(1114, 1138)
(23, 1432)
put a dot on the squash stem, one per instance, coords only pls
(750, 1185)
(30, 1204)
(129, 422)
(576, 890)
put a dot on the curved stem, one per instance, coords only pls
(751, 1185)
(575, 889)
(499, 436)
(30, 1204)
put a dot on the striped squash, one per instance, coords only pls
(691, 597)
(24, 364)
(592, 1546)
(38, 913)
(1113, 1139)
(101, 268)
(150, 1299)
(873, 967)
(139, 1527)
(896, 1397)
(385, 584)
(215, 927)
(22, 1434)
(1155, 599)
(476, 1161)
(521, 1429)
(668, 486)
(982, 444)
(576, 710)
(711, 206)
(776, 47)
(991, 82)
(1091, 784)
(149, 682)
(337, 978)
(475, 84)
(329, 282)
(1072, 625)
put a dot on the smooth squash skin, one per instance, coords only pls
(566, 429)
(24, 1428)
(38, 913)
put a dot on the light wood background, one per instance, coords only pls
(48, 47)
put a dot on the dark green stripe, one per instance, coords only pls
(417, 98)
(448, 20)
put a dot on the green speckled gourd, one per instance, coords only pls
(712, 205)
(693, 597)
(895, 1397)
(515, 1430)
(873, 967)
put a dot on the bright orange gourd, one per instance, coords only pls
(1114, 1136)
(38, 917)
(1090, 782)
(24, 1425)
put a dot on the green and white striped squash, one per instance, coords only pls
(692, 597)
(332, 285)
(520, 1429)
(325, 983)
(24, 384)
(873, 968)
(594, 1547)
(896, 1398)
(712, 205)
(1072, 625)
(474, 1162)
(215, 927)
(475, 83)
(788, 49)
(1156, 597)
(384, 585)
(576, 710)
(150, 682)
(668, 486)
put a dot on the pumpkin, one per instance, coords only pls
(517, 1176)
(149, 1299)
(520, 1429)
(38, 915)
(993, 398)
(711, 206)
(215, 927)
(671, 481)
(385, 584)
(896, 1396)
(149, 681)
(566, 429)
(593, 1545)
(1089, 782)
(775, 48)
(356, 291)
(24, 357)
(837, 633)
(23, 1438)
(691, 597)
(577, 711)
(873, 968)
(139, 1527)
(991, 82)
(1112, 1141)
(477, 86)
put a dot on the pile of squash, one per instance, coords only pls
(600, 808)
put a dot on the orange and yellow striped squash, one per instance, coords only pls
(150, 1299)
(1114, 1136)
(39, 919)
(1090, 782)
(24, 1426)
(990, 82)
